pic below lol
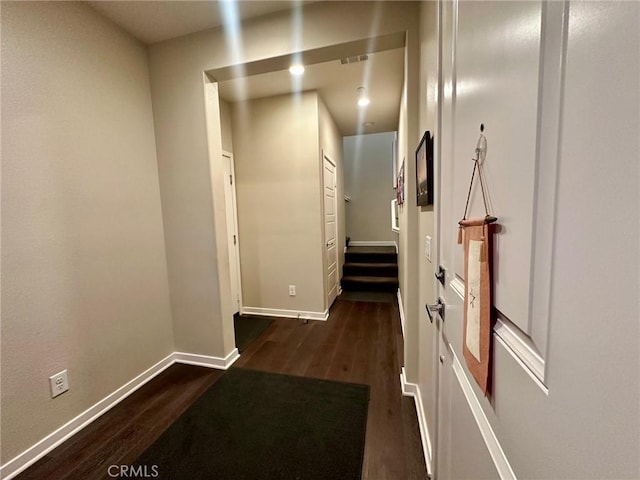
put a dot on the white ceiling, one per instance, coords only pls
(155, 21)
(337, 84)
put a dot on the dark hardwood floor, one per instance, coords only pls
(361, 342)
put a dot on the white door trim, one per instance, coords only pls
(491, 441)
(328, 302)
(373, 243)
(229, 155)
(413, 390)
(401, 310)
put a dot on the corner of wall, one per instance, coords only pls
(408, 135)
(214, 138)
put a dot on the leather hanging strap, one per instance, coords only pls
(478, 309)
(477, 165)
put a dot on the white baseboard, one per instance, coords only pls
(275, 312)
(401, 308)
(413, 390)
(34, 453)
(16, 465)
(500, 460)
(207, 361)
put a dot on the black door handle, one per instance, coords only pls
(438, 308)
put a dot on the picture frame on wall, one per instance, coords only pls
(395, 216)
(424, 170)
(400, 188)
(394, 160)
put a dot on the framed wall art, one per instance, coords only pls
(424, 170)
(400, 188)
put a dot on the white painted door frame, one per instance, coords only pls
(331, 292)
(233, 235)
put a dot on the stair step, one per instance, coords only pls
(369, 283)
(370, 257)
(372, 249)
(370, 269)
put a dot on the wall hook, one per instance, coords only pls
(481, 147)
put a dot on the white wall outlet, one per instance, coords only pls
(59, 383)
(292, 290)
(427, 247)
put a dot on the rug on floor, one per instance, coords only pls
(248, 328)
(256, 425)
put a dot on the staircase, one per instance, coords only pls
(370, 269)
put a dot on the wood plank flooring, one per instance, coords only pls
(361, 342)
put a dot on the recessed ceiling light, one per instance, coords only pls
(363, 98)
(368, 124)
(296, 69)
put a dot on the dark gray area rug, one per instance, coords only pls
(255, 425)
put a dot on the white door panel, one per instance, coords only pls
(329, 203)
(558, 407)
(333, 282)
(330, 228)
(232, 232)
(490, 62)
(497, 67)
(471, 457)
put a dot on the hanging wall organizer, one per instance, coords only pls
(477, 233)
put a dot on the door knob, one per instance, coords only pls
(436, 308)
(440, 274)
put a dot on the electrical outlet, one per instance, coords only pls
(427, 247)
(59, 383)
(292, 290)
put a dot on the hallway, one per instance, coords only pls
(146, 200)
(361, 342)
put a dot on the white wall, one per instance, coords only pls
(176, 68)
(602, 38)
(368, 181)
(276, 153)
(83, 254)
(408, 139)
(331, 143)
(222, 331)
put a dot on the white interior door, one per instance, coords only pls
(449, 329)
(330, 229)
(232, 230)
(467, 445)
(539, 99)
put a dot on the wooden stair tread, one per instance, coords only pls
(368, 250)
(370, 269)
(370, 264)
(369, 279)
